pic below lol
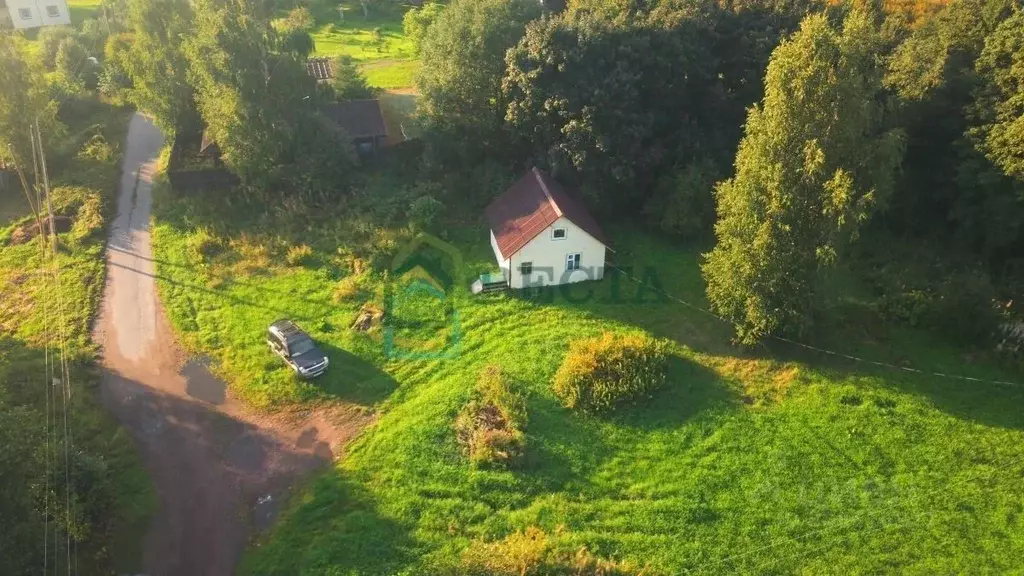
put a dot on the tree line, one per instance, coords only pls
(783, 130)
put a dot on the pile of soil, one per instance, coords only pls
(368, 317)
(26, 232)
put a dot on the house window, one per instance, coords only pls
(25, 13)
(526, 268)
(53, 11)
(558, 234)
(572, 262)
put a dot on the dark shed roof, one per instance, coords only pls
(359, 118)
(529, 206)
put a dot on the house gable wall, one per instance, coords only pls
(548, 257)
(38, 13)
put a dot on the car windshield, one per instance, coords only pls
(300, 347)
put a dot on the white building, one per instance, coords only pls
(36, 13)
(541, 236)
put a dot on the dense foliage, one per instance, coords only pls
(156, 62)
(817, 158)
(463, 60)
(599, 373)
(258, 102)
(958, 186)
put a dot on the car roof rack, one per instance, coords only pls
(287, 328)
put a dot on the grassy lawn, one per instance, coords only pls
(775, 460)
(82, 10)
(391, 74)
(85, 171)
(388, 58)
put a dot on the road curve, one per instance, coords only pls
(219, 470)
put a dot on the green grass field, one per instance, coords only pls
(85, 171)
(774, 460)
(388, 58)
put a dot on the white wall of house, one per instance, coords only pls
(548, 257)
(36, 13)
(502, 261)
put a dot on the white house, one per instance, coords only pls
(541, 236)
(36, 13)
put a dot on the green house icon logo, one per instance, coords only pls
(419, 273)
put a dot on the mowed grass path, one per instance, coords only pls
(771, 462)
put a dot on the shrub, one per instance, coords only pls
(347, 289)
(299, 256)
(204, 245)
(683, 202)
(533, 552)
(598, 373)
(923, 287)
(490, 426)
(347, 81)
(50, 39)
(424, 213)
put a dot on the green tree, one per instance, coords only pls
(299, 18)
(1000, 98)
(260, 105)
(815, 160)
(49, 42)
(949, 191)
(73, 64)
(23, 100)
(619, 99)
(156, 63)
(347, 81)
(463, 61)
(417, 20)
(115, 81)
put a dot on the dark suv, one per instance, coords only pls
(288, 341)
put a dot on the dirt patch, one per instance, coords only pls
(368, 317)
(27, 232)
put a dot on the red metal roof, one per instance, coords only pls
(529, 206)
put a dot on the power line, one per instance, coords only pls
(62, 339)
(824, 350)
(47, 374)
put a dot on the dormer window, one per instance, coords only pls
(558, 234)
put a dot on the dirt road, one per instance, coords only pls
(219, 469)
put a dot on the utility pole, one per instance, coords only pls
(46, 187)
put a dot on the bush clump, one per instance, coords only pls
(425, 213)
(490, 426)
(533, 552)
(204, 245)
(599, 373)
(347, 289)
(299, 256)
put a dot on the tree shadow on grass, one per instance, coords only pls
(566, 447)
(334, 528)
(689, 390)
(563, 448)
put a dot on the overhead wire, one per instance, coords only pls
(824, 350)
